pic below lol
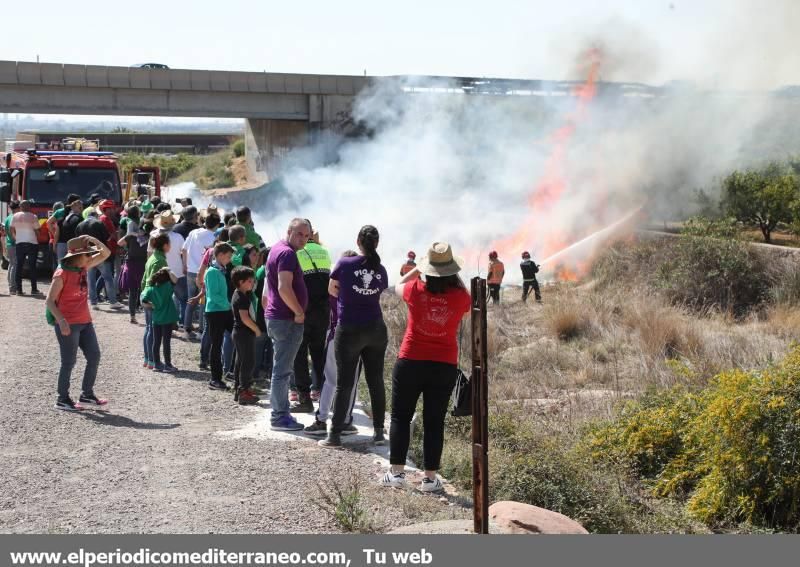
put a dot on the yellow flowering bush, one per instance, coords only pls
(731, 449)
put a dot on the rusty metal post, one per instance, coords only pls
(480, 409)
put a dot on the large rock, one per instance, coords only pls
(446, 527)
(518, 518)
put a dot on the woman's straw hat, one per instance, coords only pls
(80, 245)
(440, 261)
(165, 220)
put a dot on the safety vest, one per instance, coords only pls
(314, 259)
(496, 272)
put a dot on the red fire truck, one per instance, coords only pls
(45, 177)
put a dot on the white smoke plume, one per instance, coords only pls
(462, 168)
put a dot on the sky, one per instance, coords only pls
(500, 38)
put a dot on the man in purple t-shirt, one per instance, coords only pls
(286, 299)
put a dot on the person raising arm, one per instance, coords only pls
(68, 311)
(54, 293)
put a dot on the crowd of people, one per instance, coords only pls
(284, 320)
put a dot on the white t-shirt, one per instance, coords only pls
(198, 241)
(174, 261)
(25, 225)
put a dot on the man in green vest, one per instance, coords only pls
(315, 261)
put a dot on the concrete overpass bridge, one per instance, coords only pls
(282, 110)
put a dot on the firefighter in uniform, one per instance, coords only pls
(495, 277)
(410, 263)
(315, 261)
(529, 269)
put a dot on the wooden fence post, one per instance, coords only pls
(480, 409)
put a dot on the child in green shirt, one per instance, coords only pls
(158, 297)
(218, 310)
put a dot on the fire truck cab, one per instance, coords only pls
(45, 177)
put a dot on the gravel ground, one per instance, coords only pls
(162, 459)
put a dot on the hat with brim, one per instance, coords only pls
(80, 246)
(440, 261)
(165, 220)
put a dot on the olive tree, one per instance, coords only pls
(761, 197)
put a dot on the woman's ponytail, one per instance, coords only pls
(368, 240)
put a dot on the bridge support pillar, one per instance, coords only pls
(268, 141)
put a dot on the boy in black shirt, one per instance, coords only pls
(245, 332)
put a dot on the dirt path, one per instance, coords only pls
(163, 459)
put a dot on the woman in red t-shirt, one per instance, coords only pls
(428, 360)
(68, 310)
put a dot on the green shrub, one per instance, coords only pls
(712, 269)
(731, 448)
(238, 148)
(343, 501)
(706, 268)
(540, 468)
(646, 437)
(221, 179)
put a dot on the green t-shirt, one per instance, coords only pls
(216, 290)
(7, 223)
(146, 207)
(252, 236)
(238, 254)
(59, 214)
(153, 264)
(123, 225)
(164, 310)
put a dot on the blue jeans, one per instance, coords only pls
(180, 294)
(286, 339)
(108, 282)
(83, 337)
(149, 338)
(192, 290)
(61, 251)
(227, 353)
(205, 340)
(263, 357)
(12, 267)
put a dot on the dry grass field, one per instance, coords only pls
(560, 370)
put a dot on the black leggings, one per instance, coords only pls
(133, 298)
(244, 341)
(435, 381)
(315, 331)
(218, 323)
(162, 334)
(367, 342)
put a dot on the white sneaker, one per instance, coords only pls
(429, 485)
(393, 480)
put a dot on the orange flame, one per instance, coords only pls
(551, 187)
